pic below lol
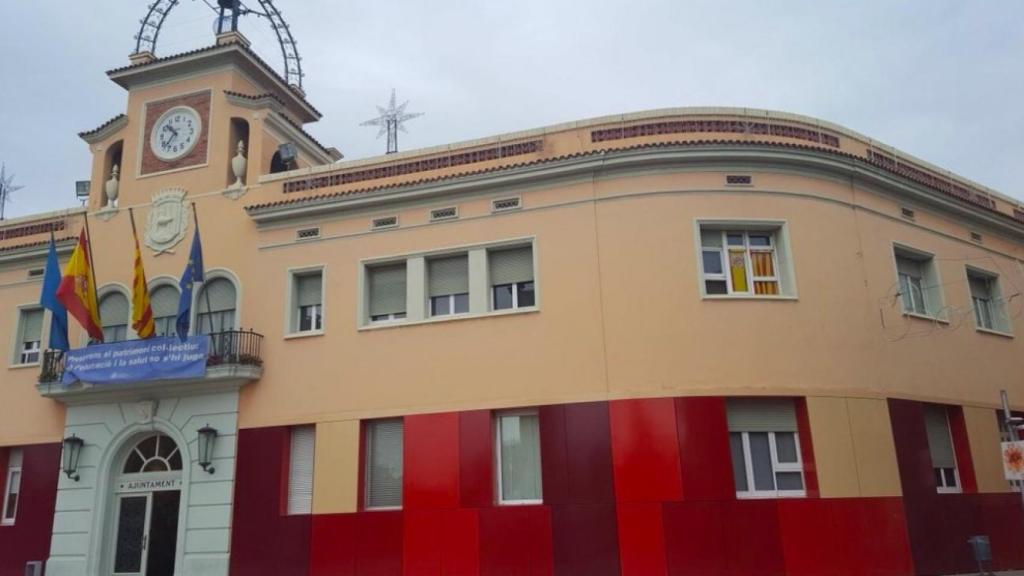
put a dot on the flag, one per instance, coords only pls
(193, 273)
(77, 290)
(142, 311)
(48, 299)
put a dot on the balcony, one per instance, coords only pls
(234, 358)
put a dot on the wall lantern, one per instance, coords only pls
(207, 436)
(72, 452)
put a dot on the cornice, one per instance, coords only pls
(35, 250)
(105, 130)
(306, 143)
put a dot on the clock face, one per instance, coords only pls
(175, 133)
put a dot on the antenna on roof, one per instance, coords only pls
(7, 187)
(391, 120)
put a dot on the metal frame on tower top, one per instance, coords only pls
(149, 31)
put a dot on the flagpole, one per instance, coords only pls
(92, 262)
(209, 308)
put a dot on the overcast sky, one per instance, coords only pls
(942, 80)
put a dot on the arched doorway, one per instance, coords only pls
(147, 502)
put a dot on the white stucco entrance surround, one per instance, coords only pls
(83, 527)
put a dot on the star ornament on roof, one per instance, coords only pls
(391, 120)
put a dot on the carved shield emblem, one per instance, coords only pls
(167, 224)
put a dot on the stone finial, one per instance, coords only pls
(238, 165)
(112, 186)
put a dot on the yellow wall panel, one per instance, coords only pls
(833, 447)
(983, 436)
(336, 467)
(873, 446)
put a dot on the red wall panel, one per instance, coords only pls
(29, 537)
(576, 454)
(641, 539)
(333, 545)
(476, 459)
(431, 461)
(263, 540)
(421, 546)
(753, 542)
(516, 541)
(812, 542)
(962, 449)
(460, 545)
(379, 541)
(554, 454)
(585, 538)
(695, 538)
(803, 424)
(645, 450)
(704, 448)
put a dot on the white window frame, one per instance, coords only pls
(8, 484)
(942, 488)
(307, 508)
(17, 350)
(451, 305)
(998, 320)
(386, 318)
(515, 296)
(497, 459)
(778, 233)
(367, 468)
(932, 298)
(777, 467)
(293, 312)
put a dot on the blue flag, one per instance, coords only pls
(193, 273)
(48, 299)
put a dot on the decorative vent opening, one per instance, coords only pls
(975, 237)
(36, 273)
(307, 233)
(907, 213)
(506, 204)
(450, 213)
(739, 179)
(385, 222)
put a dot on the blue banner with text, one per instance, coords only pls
(138, 361)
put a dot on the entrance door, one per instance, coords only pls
(147, 533)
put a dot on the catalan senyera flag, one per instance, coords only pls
(77, 290)
(142, 311)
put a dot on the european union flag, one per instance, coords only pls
(48, 299)
(193, 273)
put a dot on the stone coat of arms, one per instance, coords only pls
(167, 224)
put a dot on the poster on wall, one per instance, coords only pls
(138, 361)
(1013, 460)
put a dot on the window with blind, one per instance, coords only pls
(517, 446)
(216, 304)
(740, 262)
(387, 292)
(30, 336)
(510, 272)
(448, 285)
(940, 448)
(164, 301)
(383, 465)
(765, 448)
(300, 470)
(987, 301)
(307, 302)
(12, 487)
(918, 280)
(114, 313)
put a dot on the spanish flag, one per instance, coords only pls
(142, 311)
(77, 291)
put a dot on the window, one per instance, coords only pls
(164, 301)
(448, 280)
(511, 277)
(987, 301)
(300, 470)
(383, 466)
(30, 336)
(940, 447)
(307, 298)
(918, 282)
(216, 305)
(12, 487)
(517, 446)
(387, 292)
(765, 448)
(740, 262)
(114, 317)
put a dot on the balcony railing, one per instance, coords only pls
(232, 347)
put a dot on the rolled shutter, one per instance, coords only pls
(940, 442)
(164, 301)
(909, 267)
(114, 310)
(387, 289)
(14, 458)
(980, 287)
(510, 265)
(221, 294)
(761, 415)
(300, 470)
(449, 275)
(384, 465)
(309, 289)
(31, 326)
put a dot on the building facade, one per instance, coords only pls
(690, 341)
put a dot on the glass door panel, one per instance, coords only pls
(130, 543)
(163, 533)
